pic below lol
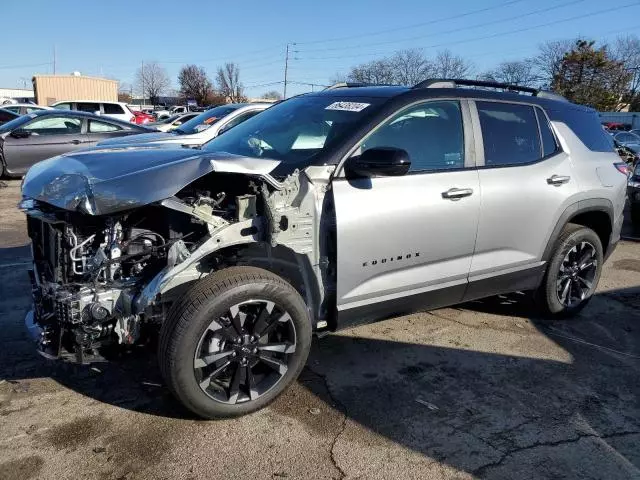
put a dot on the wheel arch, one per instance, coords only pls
(280, 260)
(596, 214)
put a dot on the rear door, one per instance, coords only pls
(43, 137)
(526, 183)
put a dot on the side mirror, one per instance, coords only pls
(97, 112)
(383, 161)
(20, 133)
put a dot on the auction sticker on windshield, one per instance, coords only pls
(348, 106)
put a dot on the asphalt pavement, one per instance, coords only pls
(484, 390)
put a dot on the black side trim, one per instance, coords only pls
(584, 206)
(527, 279)
(401, 306)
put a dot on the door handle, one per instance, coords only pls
(558, 179)
(457, 193)
(75, 142)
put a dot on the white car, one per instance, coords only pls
(24, 108)
(173, 122)
(199, 130)
(118, 110)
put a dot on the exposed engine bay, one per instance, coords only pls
(103, 280)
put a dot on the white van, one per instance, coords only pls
(117, 110)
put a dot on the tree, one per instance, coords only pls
(448, 65)
(410, 67)
(591, 77)
(521, 72)
(337, 77)
(229, 85)
(626, 50)
(272, 95)
(152, 80)
(549, 58)
(194, 83)
(376, 71)
(125, 92)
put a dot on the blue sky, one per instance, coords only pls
(112, 38)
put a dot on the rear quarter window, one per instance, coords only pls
(586, 126)
(113, 109)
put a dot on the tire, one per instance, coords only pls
(190, 337)
(572, 245)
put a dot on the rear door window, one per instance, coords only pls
(96, 126)
(112, 109)
(549, 144)
(510, 134)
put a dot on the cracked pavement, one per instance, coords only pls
(484, 390)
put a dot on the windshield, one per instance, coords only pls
(206, 119)
(166, 120)
(295, 130)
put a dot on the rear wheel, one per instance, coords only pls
(573, 272)
(235, 342)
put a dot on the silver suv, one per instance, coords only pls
(327, 210)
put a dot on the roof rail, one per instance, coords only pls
(455, 83)
(355, 84)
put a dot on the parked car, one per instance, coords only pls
(326, 210)
(173, 122)
(200, 129)
(633, 193)
(142, 118)
(7, 115)
(24, 108)
(46, 133)
(617, 126)
(629, 140)
(117, 110)
(161, 113)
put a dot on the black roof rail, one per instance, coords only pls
(356, 84)
(454, 83)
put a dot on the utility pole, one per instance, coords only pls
(286, 68)
(54, 59)
(142, 81)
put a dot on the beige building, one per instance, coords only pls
(54, 88)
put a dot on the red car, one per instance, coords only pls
(140, 118)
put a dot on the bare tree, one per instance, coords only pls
(228, 80)
(549, 59)
(376, 71)
(337, 77)
(626, 50)
(521, 72)
(410, 67)
(272, 95)
(448, 65)
(152, 80)
(194, 83)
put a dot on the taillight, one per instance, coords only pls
(622, 167)
(133, 119)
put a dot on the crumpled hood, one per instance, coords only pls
(140, 138)
(109, 180)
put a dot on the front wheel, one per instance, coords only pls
(234, 342)
(573, 272)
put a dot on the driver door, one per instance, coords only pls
(42, 138)
(405, 243)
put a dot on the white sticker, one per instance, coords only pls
(348, 106)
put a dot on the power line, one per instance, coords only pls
(415, 25)
(455, 30)
(8, 67)
(484, 37)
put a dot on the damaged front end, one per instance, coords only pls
(103, 280)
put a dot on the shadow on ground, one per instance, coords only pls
(481, 412)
